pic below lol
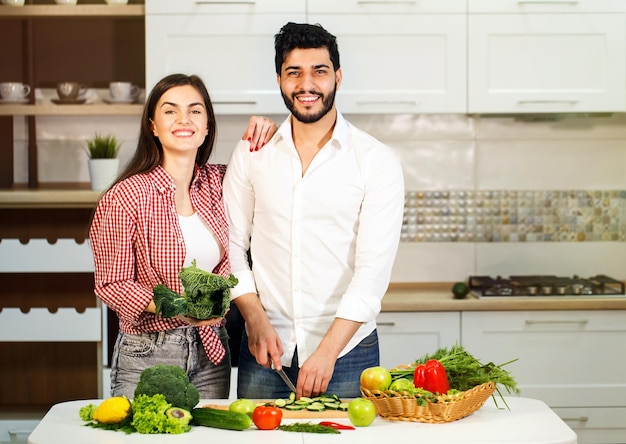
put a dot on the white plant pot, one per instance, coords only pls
(102, 172)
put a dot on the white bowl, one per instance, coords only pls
(116, 2)
(13, 2)
(66, 2)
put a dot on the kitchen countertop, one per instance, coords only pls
(438, 297)
(528, 421)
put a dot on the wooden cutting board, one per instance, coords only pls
(295, 414)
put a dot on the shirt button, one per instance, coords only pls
(180, 240)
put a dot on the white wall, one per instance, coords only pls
(439, 152)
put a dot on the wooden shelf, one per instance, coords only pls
(45, 11)
(87, 109)
(49, 198)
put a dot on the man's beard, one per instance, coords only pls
(327, 102)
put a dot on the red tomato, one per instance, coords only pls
(267, 417)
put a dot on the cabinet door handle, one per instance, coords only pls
(234, 103)
(224, 3)
(388, 102)
(579, 419)
(373, 2)
(386, 324)
(564, 102)
(557, 321)
(16, 433)
(556, 2)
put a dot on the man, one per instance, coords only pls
(321, 212)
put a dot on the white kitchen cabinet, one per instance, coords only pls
(229, 44)
(400, 63)
(546, 56)
(398, 57)
(571, 360)
(404, 337)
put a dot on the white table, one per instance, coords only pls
(529, 421)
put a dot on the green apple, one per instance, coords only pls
(361, 412)
(243, 405)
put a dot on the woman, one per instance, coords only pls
(165, 210)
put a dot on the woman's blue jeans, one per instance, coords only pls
(182, 347)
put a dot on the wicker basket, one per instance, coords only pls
(402, 406)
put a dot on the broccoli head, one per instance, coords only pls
(172, 382)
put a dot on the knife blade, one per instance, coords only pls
(285, 378)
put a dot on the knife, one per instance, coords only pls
(285, 378)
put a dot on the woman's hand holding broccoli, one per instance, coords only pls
(199, 322)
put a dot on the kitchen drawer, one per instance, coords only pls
(559, 6)
(41, 256)
(596, 425)
(40, 325)
(16, 431)
(385, 7)
(553, 351)
(404, 337)
(225, 7)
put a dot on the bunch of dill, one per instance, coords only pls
(465, 371)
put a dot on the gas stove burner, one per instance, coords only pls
(544, 285)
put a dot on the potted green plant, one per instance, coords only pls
(103, 162)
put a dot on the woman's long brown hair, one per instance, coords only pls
(149, 152)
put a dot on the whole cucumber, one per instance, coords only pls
(220, 419)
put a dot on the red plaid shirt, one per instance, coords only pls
(137, 243)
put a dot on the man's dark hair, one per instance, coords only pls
(304, 36)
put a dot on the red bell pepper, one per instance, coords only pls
(431, 376)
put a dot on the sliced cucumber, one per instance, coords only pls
(316, 407)
(343, 406)
(295, 407)
(280, 402)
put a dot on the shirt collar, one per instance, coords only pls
(163, 181)
(340, 138)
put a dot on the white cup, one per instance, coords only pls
(123, 90)
(66, 2)
(14, 90)
(13, 2)
(116, 2)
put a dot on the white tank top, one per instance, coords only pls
(200, 242)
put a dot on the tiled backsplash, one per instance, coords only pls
(514, 216)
